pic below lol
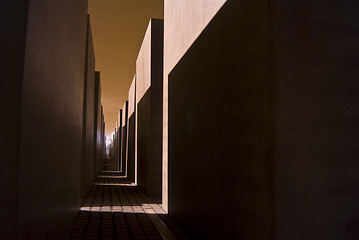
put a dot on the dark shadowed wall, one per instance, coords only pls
(124, 137)
(315, 116)
(44, 101)
(131, 148)
(114, 148)
(13, 25)
(119, 140)
(88, 128)
(143, 139)
(131, 131)
(103, 137)
(149, 98)
(98, 125)
(184, 22)
(219, 120)
(263, 124)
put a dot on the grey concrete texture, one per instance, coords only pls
(119, 144)
(144, 145)
(149, 113)
(315, 98)
(89, 124)
(104, 137)
(43, 92)
(124, 138)
(262, 124)
(116, 145)
(98, 126)
(132, 97)
(219, 129)
(115, 149)
(13, 24)
(143, 65)
(131, 148)
(184, 22)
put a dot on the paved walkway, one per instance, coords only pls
(116, 209)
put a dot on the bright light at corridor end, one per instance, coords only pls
(109, 139)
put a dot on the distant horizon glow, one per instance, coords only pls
(109, 140)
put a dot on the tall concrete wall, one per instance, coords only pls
(149, 97)
(184, 21)
(124, 138)
(131, 166)
(115, 143)
(262, 124)
(119, 119)
(42, 86)
(315, 115)
(103, 137)
(13, 25)
(219, 135)
(98, 125)
(115, 149)
(119, 139)
(88, 129)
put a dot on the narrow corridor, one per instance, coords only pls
(117, 209)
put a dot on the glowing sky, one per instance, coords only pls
(118, 27)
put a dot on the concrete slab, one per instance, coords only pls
(131, 172)
(281, 147)
(42, 75)
(124, 138)
(185, 20)
(88, 118)
(149, 68)
(219, 135)
(315, 119)
(114, 149)
(132, 97)
(103, 148)
(13, 15)
(119, 142)
(98, 125)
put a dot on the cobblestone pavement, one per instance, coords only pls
(116, 209)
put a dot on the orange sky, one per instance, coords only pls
(118, 27)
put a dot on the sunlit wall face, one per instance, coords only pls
(118, 29)
(184, 21)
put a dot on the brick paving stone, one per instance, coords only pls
(115, 209)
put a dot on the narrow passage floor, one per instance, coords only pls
(116, 209)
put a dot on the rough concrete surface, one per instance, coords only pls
(262, 124)
(131, 166)
(98, 127)
(185, 20)
(149, 110)
(219, 129)
(124, 137)
(13, 25)
(49, 163)
(88, 128)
